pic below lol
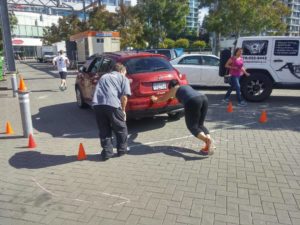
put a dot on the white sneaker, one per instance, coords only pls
(242, 103)
(225, 100)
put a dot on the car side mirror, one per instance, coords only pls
(81, 69)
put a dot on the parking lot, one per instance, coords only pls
(253, 177)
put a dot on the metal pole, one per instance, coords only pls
(84, 14)
(14, 84)
(25, 113)
(7, 36)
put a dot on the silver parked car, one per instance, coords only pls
(200, 69)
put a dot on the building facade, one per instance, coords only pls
(192, 20)
(293, 21)
(34, 15)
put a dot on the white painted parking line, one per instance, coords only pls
(43, 96)
(80, 133)
(189, 136)
(124, 200)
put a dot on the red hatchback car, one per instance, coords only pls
(149, 74)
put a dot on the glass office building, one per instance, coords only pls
(293, 21)
(193, 18)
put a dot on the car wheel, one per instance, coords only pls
(257, 87)
(79, 99)
(175, 115)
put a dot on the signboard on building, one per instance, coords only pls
(27, 42)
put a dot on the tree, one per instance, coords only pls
(13, 21)
(129, 26)
(188, 33)
(182, 43)
(66, 27)
(102, 20)
(245, 17)
(162, 18)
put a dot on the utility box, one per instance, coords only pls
(95, 42)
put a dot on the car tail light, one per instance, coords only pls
(182, 76)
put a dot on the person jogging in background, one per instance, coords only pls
(236, 69)
(62, 62)
(195, 106)
(109, 104)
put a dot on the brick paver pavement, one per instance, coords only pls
(253, 177)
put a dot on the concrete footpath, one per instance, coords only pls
(253, 177)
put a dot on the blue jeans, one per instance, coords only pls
(234, 85)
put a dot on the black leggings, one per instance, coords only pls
(195, 113)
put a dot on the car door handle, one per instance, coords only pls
(278, 60)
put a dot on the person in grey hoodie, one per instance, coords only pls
(109, 104)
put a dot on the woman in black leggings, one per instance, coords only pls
(195, 106)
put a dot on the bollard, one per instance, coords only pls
(14, 83)
(25, 113)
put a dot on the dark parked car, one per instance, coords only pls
(149, 74)
(169, 53)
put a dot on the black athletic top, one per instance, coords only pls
(185, 93)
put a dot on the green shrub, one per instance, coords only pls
(167, 43)
(199, 44)
(182, 43)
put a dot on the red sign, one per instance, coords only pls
(17, 42)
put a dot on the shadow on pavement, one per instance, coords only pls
(37, 160)
(10, 137)
(68, 121)
(47, 90)
(282, 111)
(138, 148)
(42, 78)
(45, 67)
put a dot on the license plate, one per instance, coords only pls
(159, 86)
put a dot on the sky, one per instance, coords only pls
(203, 12)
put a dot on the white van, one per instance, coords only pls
(272, 61)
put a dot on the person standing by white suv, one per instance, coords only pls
(62, 62)
(236, 69)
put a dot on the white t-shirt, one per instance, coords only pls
(61, 63)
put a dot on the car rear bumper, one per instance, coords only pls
(154, 111)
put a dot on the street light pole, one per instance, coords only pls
(11, 66)
(84, 15)
(216, 35)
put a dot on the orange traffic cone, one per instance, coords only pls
(31, 142)
(229, 107)
(9, 129)
(22, 86)
(263, 117)
(81, 153)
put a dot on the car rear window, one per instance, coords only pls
(167, 53)
(147, 64)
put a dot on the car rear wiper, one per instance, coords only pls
(159, 68)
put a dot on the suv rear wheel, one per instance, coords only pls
(257, 87)
(79, 99)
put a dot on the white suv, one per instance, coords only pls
(272, 62)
